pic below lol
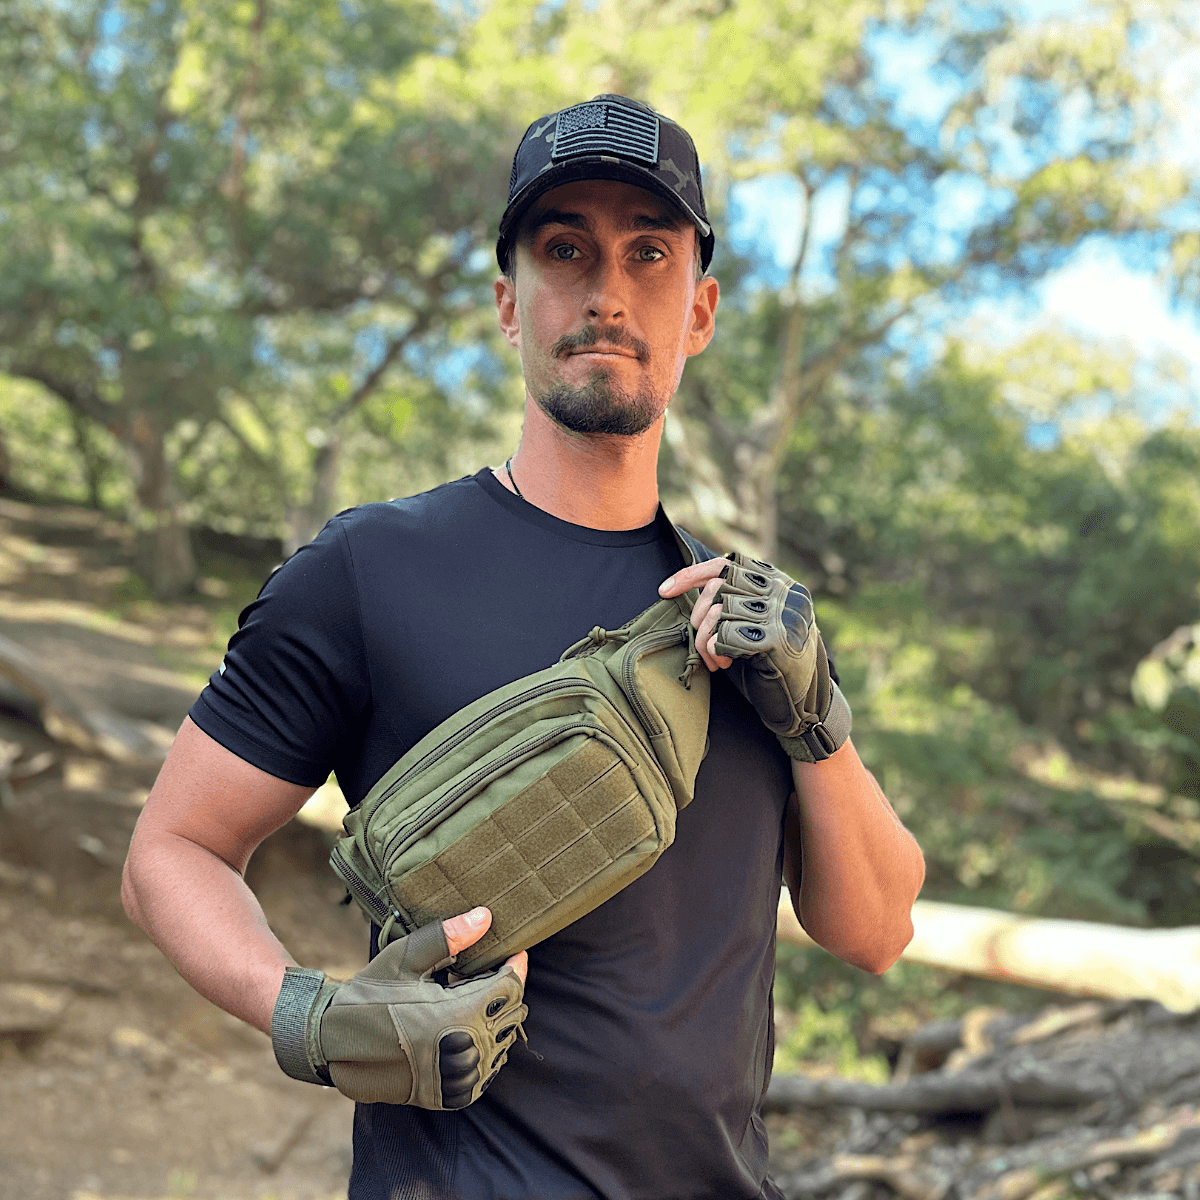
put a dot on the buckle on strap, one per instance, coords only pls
(832, 730)
(820, 741)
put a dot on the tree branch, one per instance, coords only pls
(372, 378)
(269, 464)
(80, 399)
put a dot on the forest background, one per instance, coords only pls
(245, 282)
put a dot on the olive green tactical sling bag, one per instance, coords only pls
(543, 798)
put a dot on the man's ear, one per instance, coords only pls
(506, 310)
(704, 311)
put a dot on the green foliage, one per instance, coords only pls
(245, 268)
(812, 1036)
(1066, 563)
(1167, 682)
(215, 208)
(986, 600)
(52, 455)
(832, 1017)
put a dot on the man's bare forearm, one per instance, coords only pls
(183, 878)
(211, 927)
(861, 869)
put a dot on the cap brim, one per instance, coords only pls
(597, 167)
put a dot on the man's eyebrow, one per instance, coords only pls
(634, 224)
(554, 216)
(652, 221)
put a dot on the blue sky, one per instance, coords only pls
(1097, 293)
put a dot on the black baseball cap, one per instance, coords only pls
(609, 137)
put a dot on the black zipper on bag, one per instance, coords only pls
(468, 730)
(362, 891)
(429, 816)
(651, 641)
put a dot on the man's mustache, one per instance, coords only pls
(590, 335)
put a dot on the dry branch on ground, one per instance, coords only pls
(1095, 1099)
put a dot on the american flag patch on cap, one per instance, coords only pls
(599, 128)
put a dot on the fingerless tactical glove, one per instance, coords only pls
(393, 1034)
(779, 662)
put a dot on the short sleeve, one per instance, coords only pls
(294, 686)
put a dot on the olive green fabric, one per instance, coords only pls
(767, 627)
(543, 798)
(393, 1034)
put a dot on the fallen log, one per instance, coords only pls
(1090, 1099)
(88, 726)
(1045, 1085)
(1078, 958)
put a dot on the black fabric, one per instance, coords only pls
(650, 1018)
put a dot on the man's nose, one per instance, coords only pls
(605, 301)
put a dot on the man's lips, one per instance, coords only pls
(601, 342)
(611, 351)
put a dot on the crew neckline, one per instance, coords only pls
(532, 515)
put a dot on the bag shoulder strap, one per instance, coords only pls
(700, 552)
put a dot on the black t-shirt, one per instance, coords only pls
(650, 1035)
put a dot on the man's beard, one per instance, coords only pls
(601, 406)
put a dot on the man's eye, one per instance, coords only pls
(650, 253)
(564, 252)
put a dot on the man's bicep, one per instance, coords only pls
(209, 796)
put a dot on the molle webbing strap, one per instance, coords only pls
(535, 850)
(544, 797)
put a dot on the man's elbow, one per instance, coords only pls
(885, 954)
(129, 896)
(880, 952)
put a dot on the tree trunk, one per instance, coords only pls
(171, 565)
(306, 520)
(766, 485)
(751, 488)
(93, 465)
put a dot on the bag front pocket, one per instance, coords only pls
(649, 670)
(562, 812)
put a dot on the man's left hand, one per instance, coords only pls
(778, 657)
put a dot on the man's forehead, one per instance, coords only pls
(585, 203)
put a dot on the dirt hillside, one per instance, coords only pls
(118, 1080)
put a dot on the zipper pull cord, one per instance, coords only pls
(595, 639)
(603, 636)
(385, 931)
(693, 658)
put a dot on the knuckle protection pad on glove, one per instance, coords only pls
(763, 611)
(767, 626)
(408, 1039)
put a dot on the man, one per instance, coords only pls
(649, 1019)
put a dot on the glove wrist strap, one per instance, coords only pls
(818, 742)
(304, 995)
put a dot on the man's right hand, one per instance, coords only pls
(392, 1034)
